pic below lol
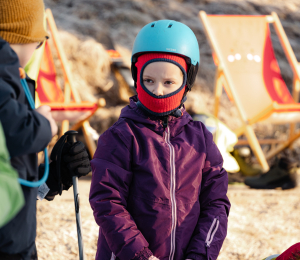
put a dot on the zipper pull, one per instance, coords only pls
(165, 122)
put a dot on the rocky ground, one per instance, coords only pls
(262, 222)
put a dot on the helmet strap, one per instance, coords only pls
(134, 70)
(178, 112)
(191, 77)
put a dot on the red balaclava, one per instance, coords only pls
(159, 105)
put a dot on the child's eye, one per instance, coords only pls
(148, 80)
(168, 82)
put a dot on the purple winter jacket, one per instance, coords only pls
(157, 191)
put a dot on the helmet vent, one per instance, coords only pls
(170, 25)
(152, 25)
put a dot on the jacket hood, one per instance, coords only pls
(155, 123)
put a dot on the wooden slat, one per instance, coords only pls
(69, 85)
(261, 141)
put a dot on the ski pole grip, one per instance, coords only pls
(71, 136)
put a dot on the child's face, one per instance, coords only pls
(162, 78)
(24, 51)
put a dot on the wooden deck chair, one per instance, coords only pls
(65, 106)
(249, 72)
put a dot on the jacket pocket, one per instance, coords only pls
(212, 231)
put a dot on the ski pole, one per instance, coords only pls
(72, 139)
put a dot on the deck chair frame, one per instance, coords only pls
(69, 89)
(223, 79)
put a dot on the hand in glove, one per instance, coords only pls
(74, 162)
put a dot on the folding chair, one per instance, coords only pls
(65, 106)
(121, 71)
(249, 72)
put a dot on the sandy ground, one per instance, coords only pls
(261, 223)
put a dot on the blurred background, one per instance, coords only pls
(261, 222)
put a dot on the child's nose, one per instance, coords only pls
(158, 89)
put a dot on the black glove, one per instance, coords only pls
(75, 162)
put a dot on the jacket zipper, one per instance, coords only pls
(172, 192)
(113, 257)
(212, 231)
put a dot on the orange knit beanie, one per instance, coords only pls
(22, 21)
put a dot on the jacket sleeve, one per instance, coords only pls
(111, 179)
(26, 131)
(211, 228)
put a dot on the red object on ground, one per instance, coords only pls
(292, 253)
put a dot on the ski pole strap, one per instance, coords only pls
(23, 182)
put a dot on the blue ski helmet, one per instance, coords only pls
(170, 37)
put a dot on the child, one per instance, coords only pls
(27, 131)
(158, 189)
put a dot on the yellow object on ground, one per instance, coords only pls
(224, 138)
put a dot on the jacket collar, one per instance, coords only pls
(154, 123)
